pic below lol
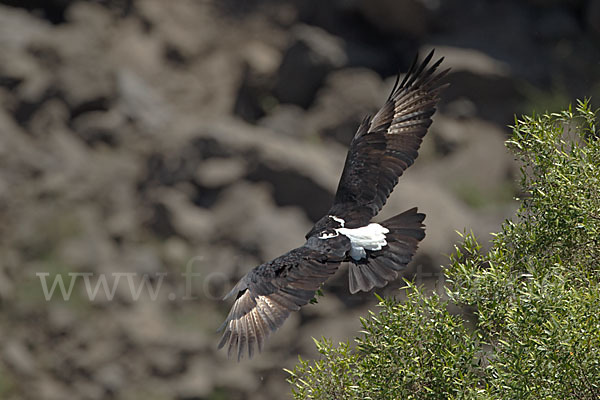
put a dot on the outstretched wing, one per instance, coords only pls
(387, 144)
(267, 295)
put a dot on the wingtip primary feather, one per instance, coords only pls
(395, 86)
(413, 65)
(418, 72)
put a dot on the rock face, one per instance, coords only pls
(152, 152)
(311, 56)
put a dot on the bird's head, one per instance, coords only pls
(326, 227)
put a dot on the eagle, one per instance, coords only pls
(384, 145)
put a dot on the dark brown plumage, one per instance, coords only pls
(383, 147)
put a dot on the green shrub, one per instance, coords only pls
(535, 331)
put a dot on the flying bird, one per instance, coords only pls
(384, 146)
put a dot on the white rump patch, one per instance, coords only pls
(370, 237)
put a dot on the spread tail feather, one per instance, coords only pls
(406, 230)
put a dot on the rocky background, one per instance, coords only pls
(154, 137)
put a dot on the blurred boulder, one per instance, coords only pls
(186, 30)
(7, 287)
(20, 71)
(557, 24)
(86, 88)
(346, 98)
(218, 172)
(56, 11)
(399, 17)
(254, 97)
(99, 127)
(474, 61)
(186, 220)
(143, 260)
(60, 319)
(286, 119)
(111, 376)
(19, 358)
(312, 54)
(301, 174)
(51, 118)
(238, 377)
(448, 136)
(49, 388)
(140, 102)
(198, 381)
(88, 390)
(477, 81)
(478, 143)
(553, 3)
(247, 216)
(52, 10)
(262, 58)
(592, 17)
(87, 84)
(332, 328)
(165, 362)
(19, 28)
